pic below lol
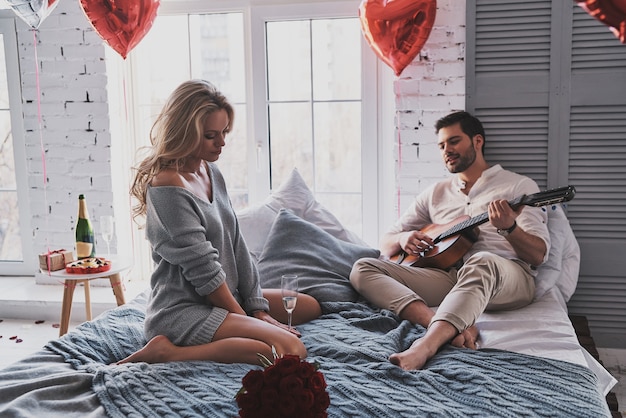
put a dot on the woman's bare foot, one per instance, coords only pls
(157, 350)
(467, 338)
(415, 357)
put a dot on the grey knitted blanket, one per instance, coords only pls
(352, 343)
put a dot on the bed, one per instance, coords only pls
(529, 362)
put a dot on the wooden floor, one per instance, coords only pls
(584, 338)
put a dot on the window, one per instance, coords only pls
(314, 109)
(16, 256)
(304, 91)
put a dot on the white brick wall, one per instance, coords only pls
(74, 123)
(429, 88)
(75, 116)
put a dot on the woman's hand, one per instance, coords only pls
(266, 317)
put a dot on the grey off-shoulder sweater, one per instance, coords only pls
(196, 246)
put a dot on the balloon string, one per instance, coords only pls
(399, 170)
(43, 151)
(125, 99)
(130, 202)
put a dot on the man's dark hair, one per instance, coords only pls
(470, 125)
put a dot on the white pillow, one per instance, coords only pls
(570, 266)
(563, 264)
(256, 221)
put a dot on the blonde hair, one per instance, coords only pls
(176, 133)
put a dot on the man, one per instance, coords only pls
(497, 273)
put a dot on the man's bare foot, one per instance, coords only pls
(415, 357)
(157, 350)
(467, 338)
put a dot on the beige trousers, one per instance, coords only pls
(485, 282)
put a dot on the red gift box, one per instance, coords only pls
(56, 260)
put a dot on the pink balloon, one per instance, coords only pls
(33, 12)
(121, 23)
(398, 29)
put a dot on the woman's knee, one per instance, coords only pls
(310, 309)
(291, 344)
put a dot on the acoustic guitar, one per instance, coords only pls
(454, 239)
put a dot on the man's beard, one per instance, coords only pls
(464, 162)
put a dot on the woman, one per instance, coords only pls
(205, 302)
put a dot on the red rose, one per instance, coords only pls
(253, 381)
(291, 384)
(322, 401)
(287, 406)
(272, 376)
(305, 398)
(269, 396)
(288, 364)
(321, 414)
(306, 370)
(305, 413)
(245, 414)
(266, 412)
(248, 401)
(317, 382)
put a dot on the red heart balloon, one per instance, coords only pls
(610, 12)
(397, 29)
(121, 23)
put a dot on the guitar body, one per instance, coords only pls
(445, 253)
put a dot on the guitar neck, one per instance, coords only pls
(561, 194)
(461, 227)
(471, 223)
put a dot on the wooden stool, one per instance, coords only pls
(71, 280)
(68, 295)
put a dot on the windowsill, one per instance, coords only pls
(23, 298)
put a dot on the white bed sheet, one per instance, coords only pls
(540, 329)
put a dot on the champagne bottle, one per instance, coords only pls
(85, 243)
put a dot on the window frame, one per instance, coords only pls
(28, 262)
(257, 94)
(377, 86)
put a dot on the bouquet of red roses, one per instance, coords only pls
(288, 387)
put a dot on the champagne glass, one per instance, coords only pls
(106, 229)
(289, 289)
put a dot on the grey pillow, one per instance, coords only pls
(321, 261)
